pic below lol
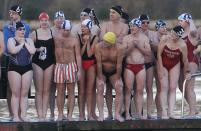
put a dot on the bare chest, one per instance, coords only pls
(109, 55)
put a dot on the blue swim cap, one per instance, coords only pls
(136, 22)
(185, 16)
(66, 25)
(160, 23)
(59, 14)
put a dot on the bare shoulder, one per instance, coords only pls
(97, 46)
(73, 40)
(126, 38)
(182, 44)
(164, 38)
(29, 39)
(143, 37)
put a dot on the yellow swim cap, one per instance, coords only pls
(110, 37)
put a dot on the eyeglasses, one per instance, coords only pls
(147, 22)
(84, 14)
(13, 12)
(21, 29)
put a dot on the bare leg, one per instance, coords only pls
(71, 100)
(90, 85)
(109, 100)
(52, 100)
(8, 97)
(173, 82)
(149, 90)
(48, 78)
(26, 82)
(100, 99)
(118, 86)
(129, 80)
(81, 97)
(15, 88)
(163, 94)
(60, 100)
(140, 80)
(38, 82)
(190, 92)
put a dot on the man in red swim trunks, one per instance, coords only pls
(137, 47)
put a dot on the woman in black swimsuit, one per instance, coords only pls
(43, 64)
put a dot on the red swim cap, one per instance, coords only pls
(43, 15)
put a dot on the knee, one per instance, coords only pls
(100, 90)
(15, 94)
(139, 91)
(24, 94)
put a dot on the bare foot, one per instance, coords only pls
(174, 117)
(82, 119)
(100, 119)
(95, 116)
(164, 117)
(119, 118)
(150, 117)
(60, 118)
(70, 119)
(128, 117)
(16, 120)
(91, 119)
(109, 118)
(25, 119)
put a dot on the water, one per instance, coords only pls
(31, 112)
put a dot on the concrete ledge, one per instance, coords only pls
(172, 125)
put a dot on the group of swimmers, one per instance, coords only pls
(120, 53)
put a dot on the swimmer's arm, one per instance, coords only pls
(33, 36)
(12, 48)
(122, 34)
(1, 43)
(30, 46)
(125, 44)
(193, 30)
(99, 62)
(159, 53)
(185, 59)
(91, 51)
(78, 55)
(144, 47)
(120, 57)
(103, 30)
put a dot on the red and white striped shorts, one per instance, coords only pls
(65, 73)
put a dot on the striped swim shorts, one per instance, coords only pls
(65, 73)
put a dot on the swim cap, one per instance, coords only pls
(117, 9)
(43, 15)
(59, 14)
(19, 25)
(66, 25)
(160, 23)
(86, 10)
(110, 37)
(144, 17)
(136, 22)
(88, 23)
(185, 16)
(126, 17)
(17, 8)
(179, 30)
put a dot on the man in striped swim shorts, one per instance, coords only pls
(67, 69)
